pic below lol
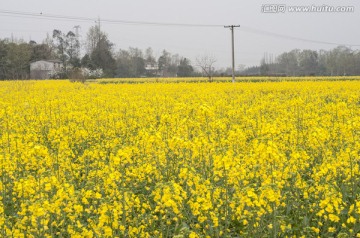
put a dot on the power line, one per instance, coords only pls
(62, 17)
(268, 33)
(146, 23)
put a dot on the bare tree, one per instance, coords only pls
(206, 64)
(93, 38)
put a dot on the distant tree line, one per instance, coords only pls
(97, 54)
(341, 60)
(16, 56)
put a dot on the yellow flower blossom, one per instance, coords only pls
(178, 159)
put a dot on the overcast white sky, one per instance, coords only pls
(191, 42)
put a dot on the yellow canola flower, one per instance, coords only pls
(334, 218)
(179, 159)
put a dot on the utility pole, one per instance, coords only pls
(233, 50)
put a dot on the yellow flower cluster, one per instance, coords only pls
(224, 79)
(278, 159)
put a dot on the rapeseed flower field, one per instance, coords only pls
(225, 79)
(180, 160)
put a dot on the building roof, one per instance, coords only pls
(51, 61)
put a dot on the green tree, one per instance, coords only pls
(130, 63)
(123, 64)
(185, 69)
(73, 49)
(102, 57)
(4, 63)
(137, 62)
(68, 48)
(86, 62)
(164, 63)
(40, 51)
(18, 59)
(61, 45)
(289, 62)
(264, 67)
(308, 62)
(168, 64)
(149, 56)
(93, 37)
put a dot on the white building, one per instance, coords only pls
(152, 69)
(44, 69)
